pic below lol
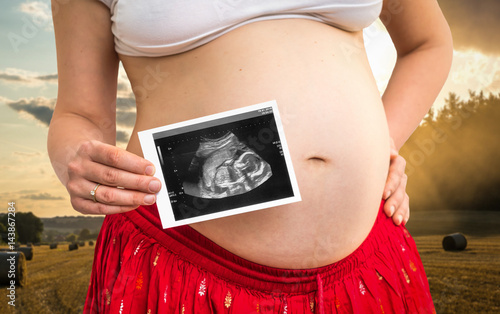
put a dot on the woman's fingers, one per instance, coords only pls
(115, 196)
(108, 195)
(117, 158)
(396, 172)
(397, 201)
(110, 176)
(394, 204)
(402, 213)
(86, 206)
(110, 167)
(397, 205)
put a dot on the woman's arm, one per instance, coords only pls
(424, 46)
(83, 128)
(424, 51)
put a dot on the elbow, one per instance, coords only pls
(443, 52)
(445, 44)
(449, 48)
(442, 41)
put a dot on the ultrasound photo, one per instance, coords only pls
(220, 165)
(223, 167)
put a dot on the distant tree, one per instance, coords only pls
(453, 157)
(28, 227)
(3, 233)
(71, 237)
(84, 234)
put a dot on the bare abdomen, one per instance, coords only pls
(334, 124)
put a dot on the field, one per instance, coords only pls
(57, 281)
(461, 282)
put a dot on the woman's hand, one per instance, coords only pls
(111, 167)
(397, 203)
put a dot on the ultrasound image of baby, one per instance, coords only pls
(225, 167)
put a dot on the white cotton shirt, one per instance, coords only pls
(157, 28)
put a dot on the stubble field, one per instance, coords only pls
(57, 281)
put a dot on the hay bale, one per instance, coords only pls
(91, 243)
(73, 246)
(81, 243)
(454, 242)
(53, 246)
(13, 267)
(28, 252)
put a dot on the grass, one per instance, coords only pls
(460, 282)
(57, 281)
(463, 282)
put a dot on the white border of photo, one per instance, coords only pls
(163, 203)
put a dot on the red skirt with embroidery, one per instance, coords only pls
(141, 268)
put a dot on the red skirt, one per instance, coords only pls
(141, 268)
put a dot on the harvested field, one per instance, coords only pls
(57, 281)
(466, 281)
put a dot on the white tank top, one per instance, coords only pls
(166, 27)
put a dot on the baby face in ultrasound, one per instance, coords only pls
(225, 167)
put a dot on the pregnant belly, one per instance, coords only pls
(334, 124)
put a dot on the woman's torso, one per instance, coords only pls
(333, 121)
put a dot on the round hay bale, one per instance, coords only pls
(28, 252)
(91, 243)
(13, 267)
(454, 242)
(53, 246)
(81, 243)
(73, 246)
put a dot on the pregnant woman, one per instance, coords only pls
(336, 250)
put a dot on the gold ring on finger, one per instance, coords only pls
(93, 192)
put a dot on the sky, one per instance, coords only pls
(28, 89)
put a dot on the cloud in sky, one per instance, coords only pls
(495, 84)
(17, 76)
(49, 78)
(122, 137)
(125, 103)
(27, 154)
(474, 24)
(42, 196)
(39, 108)
(11, 77)
(39, 12)
(125, 118)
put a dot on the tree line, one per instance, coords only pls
(453, 157)
(28, 227)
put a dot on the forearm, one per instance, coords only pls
(67, 132)
(414, 85)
